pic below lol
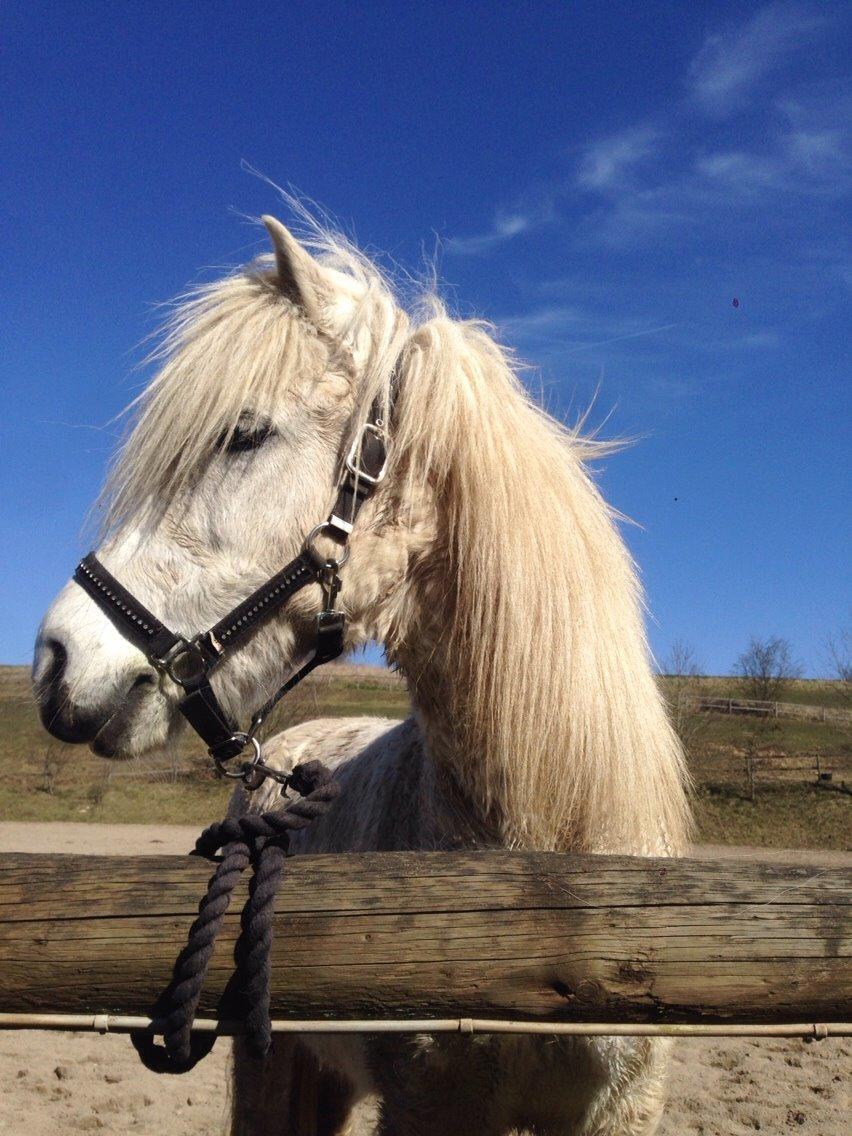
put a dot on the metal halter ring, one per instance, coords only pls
(247, 766)
(318, 530)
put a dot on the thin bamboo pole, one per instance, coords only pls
(119, 1023)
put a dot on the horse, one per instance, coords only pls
(488, 566)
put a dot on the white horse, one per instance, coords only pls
(491, 570)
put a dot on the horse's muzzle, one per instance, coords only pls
(59, 716)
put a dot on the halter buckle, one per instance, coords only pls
(355, 455)
(246, 767)
(185, 663)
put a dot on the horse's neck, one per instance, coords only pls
(522, 642)
(495, 808)
(453, 790)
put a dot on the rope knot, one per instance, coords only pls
(309, 776)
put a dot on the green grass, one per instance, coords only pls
(120, 802)
(801, 691)
(800, 816)
(784, 735)
(42, 779)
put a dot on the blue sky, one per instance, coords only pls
(601, 180)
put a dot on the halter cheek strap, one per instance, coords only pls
(190, 663)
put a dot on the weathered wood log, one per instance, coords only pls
(534, 936)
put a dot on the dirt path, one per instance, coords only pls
(173, 839)
(57, 1083)
(97, 839)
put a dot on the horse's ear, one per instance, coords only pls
(299, 275)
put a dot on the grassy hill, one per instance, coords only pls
(43, 779)
(800, 691)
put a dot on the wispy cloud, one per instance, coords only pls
(739, 169)
(581, 343)
(680, 174)
(729, 64)
(504, 227)
(802, 163)
(544, 321)
(817, 150)
(817, 137)
(793, 150)
(572, 328)
(621, 338)
(659, 178)
(806, 153)
(607, 161)
(684, 213)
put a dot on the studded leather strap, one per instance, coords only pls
(131, 617)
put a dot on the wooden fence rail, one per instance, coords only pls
(755, 708)
(528, 936)
(827, 771)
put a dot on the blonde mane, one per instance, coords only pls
(528, 598)
(560, 725)
(238, 345)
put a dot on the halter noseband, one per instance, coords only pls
(190, 663)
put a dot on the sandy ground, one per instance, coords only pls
(57, 1083)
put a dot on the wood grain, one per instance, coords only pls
(494, 934)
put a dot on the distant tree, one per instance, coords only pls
(838, 648)
(682, 687)
(681, 661)
(766, 668)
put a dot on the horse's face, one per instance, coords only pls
(234, 459)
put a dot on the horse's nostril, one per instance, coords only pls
(58, 714)
(49, 682)
(58, 662)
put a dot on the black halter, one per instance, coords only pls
(190, 663)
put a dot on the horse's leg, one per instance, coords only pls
(448, 1088)
(287, 1094)
(495, 1086)
(449, 1114)
(632, 1103)
(260, 1090)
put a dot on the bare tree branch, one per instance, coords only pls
(767, 668)
(838, 648)
(682, 688)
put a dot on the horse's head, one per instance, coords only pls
(234, 457)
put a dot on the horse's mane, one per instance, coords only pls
(558, 717)
(233, 344)
(559, 722)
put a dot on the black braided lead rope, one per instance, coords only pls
(252, 949)
(261, 840)
(175, 1008)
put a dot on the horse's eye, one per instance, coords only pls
(247, 437)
